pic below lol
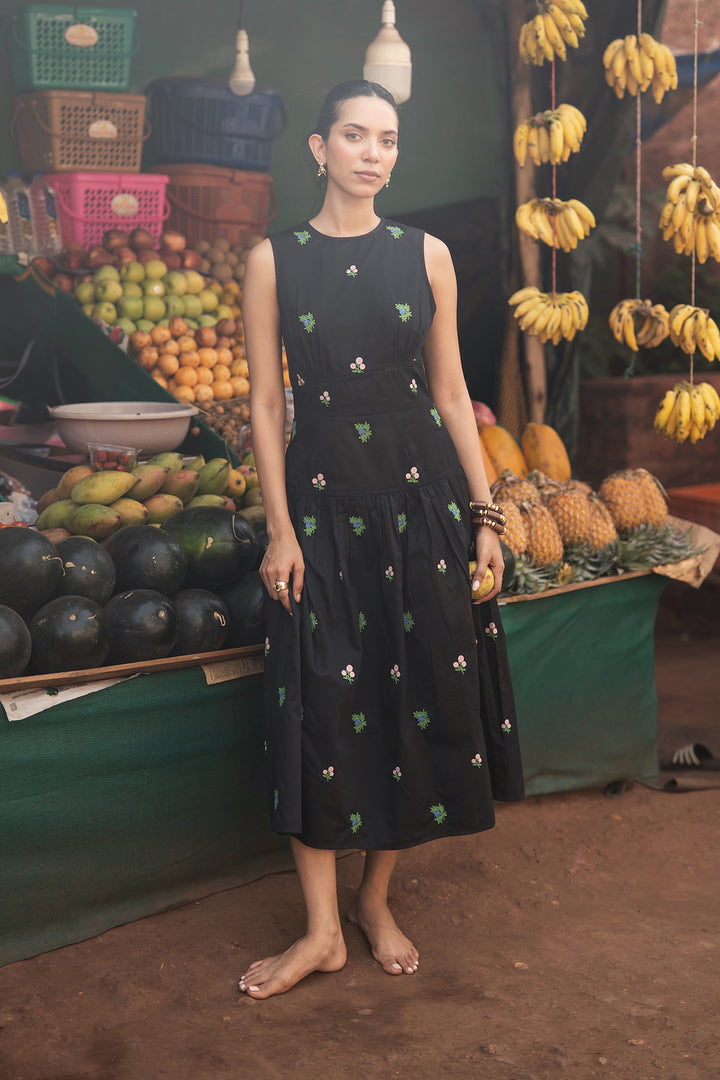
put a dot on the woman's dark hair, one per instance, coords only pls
(344, 91)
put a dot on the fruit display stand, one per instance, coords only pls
(151, 793)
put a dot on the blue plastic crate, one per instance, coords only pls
(201, 122)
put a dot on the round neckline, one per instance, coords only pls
(354, 236)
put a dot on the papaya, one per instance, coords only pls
(490, 470)
(503, 450)
(545, 451)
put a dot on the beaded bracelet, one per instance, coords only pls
(494, 525)
(490, 514)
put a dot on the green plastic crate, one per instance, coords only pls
(63, 47)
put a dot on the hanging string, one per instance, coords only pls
(694, 160)
(554, 186)
(638, 169)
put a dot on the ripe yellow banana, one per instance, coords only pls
(713, 334)
(663, 412)
(554, 36)
(697, 407)
(682, 429)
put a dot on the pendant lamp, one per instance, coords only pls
(242, 80)
(388, 60)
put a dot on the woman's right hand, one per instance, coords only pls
(283, 561)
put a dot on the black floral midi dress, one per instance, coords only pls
(389, 710)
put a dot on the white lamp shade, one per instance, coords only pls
(388, 60)
(242, 80)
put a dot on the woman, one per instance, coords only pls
(374, 706)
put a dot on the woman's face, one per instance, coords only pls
(361, 149)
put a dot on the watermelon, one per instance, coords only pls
(30, 569)
(15, 644)
(245, 599)
(203, 621)
(145, 557)
(68, 634)
(220, 544)
(143, 626)
(509, 571)
(88, 569)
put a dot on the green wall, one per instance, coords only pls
(452, 129)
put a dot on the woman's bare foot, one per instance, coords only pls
(395, 953)
(276, 974)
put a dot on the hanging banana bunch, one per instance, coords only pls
(549, 137)
(692, 328)
(557, 26)
(691, 214)
(548, 317)
(639, 324)
(634, 65)
(687, 412)
(558, 223)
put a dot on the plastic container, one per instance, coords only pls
(5, 238)
(149, 426)
(201, 122)
(67, 47)
(105, 457)
(208, 202)
(70, 131)
(45, 216)
(90, 203)
(20, 217)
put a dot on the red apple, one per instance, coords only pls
(172, 259)
(64, 282)
(44, 266)
(73, 255)
(123, 255)
(172, 240)
(147, 255)
(141, 240)
(97, 256)
(114, 238)
(191, 260)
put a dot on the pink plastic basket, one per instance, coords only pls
(89, 203)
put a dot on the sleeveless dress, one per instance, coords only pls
(389, 711)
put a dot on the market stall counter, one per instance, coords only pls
(149, 793)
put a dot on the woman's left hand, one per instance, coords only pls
(488, 554)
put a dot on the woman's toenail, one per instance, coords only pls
(254, 989)
(397, 967)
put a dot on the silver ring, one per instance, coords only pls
(280, 586)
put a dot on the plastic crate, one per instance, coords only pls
(201, 122)
(78, 130)
(61, 46)
(208, 202)
(90, 203)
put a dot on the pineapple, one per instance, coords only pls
(515, 536)
(509, 488)
(571, 510)
(545, 546)
(634, 498)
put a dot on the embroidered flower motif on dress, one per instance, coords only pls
(389, 573)
(396, 773)
(408, 621)
(319, 482)
(328, 773)
(395, 673)
(423, 718)
(414, 386)
(358, 525)
(313, 621)
(359, 722)
(357, 365)
(455, 511)
(506, 727)
(348, 673)
(276, 799)
(362, 621)
(413, 476)
(403, 311)
(438, 812)
(364, 431)
(324, 398)
(402, 523)
(281, 695)
(492, 631)
(477, 761)
(300, 380)
(355, 822)
(310, 525)
(308, 321)
(302, 237)
(442, 566)
(395, 231)
(460, 665)
(352, 271)
(436, 416)
(267, 645)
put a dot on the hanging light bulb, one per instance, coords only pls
(388, 60)
(242, 80)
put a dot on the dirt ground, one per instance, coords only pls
(577, 939)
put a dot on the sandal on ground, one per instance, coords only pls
(691, 757)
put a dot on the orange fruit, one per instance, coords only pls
(224, 356)
(159, 378)
(185, 395)
(170, 346)
(172, 385)
(208, 357)
(203, 394)
(167, 364)
(190, 358)
(160, 334)
(186, 343)
(221, 373)
(186, 376)
(240, 367)
(240, 386)
(222, 390)
(147, 357)
(204, 375)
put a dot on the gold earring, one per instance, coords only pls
(321, 169)
(387, 182)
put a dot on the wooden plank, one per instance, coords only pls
(610, 580)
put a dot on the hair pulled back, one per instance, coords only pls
(344, 91)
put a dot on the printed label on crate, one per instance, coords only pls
(227, 670)
(125, 205)
(102, 129)
(82, 35)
